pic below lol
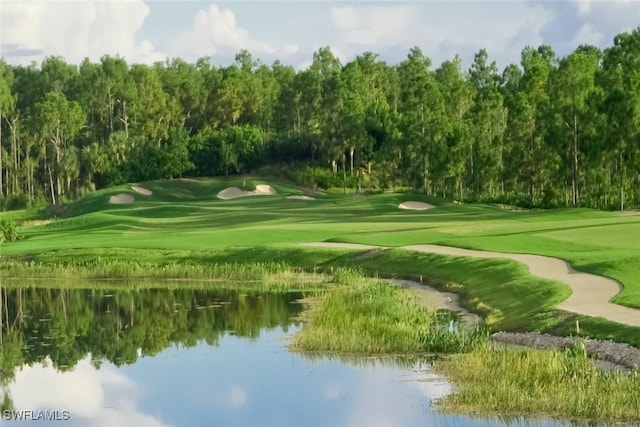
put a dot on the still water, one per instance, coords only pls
(190, 358)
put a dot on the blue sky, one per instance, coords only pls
(151, 30)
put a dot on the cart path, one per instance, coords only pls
(591, 294)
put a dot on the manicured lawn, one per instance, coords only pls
(187, 216)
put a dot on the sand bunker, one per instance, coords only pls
(301, 198)
(590, 293)
(121, 199)
(141, 190)
(415, 206)
(628, 213)
(235, 192)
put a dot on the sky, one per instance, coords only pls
(146, 31)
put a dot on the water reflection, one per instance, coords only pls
(184, 358)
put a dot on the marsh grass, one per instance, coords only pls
(372, 317)
(560, 384)
(128, 269)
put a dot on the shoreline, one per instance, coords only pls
(591, 294)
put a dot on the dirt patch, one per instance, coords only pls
(628, 213)
(371, 254)
(510, 208)
(141, 190)
(121, 199)
(415, 206)
(436, 299)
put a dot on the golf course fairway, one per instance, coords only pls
(212, 220)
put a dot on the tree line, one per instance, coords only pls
(549, 131)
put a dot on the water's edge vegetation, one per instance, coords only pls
(528, 306)
(356, 314)
(367, 316)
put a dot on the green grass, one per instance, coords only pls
(539, 382)
(366, 316)
(183, 222)
(131, 270)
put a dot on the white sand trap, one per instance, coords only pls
(415, 206)
(141, 190)
(301, 198)
(235, 192)
(121, 199)
(628, 213)
(591, 293)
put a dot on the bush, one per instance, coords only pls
(317, 177)
(14, 202)
(8, 231)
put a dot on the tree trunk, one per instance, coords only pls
(1, 181)
(621, 182)
(425, 174)
(575, 184)
(52, 188)
(14, 148)
(531, 172)
(344, 173)
(110, 107)
(125, 119)
(58, 184)
(351, 152)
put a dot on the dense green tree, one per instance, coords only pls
(422, 120)
(6, 107)
(572, 84)
(60, 121)
(458, 100)
(548, 131)
(488, 125)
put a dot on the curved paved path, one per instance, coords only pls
(590, 293)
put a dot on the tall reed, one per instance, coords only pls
(561, 384)
(372, 317)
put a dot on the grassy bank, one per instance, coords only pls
(97, 269)
(501, 291)
(538, 382)
(372, 317)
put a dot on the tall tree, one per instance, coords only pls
(60, 121)
(422, 121)
(571, 85)
(621, 81)
(486, 159)
(458, 101)
(6, 107)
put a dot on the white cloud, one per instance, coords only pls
(587, 34)
(332, 392)
(391, 31)
(94, 397)
(583, 6)
(74, 30)
(289, 49)
(216, 31)
(373, 25)
(238, 397)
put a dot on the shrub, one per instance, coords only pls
(14, 202)
(8, 231)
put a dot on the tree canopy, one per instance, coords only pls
(548, 131)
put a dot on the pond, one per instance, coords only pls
(185, 357)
